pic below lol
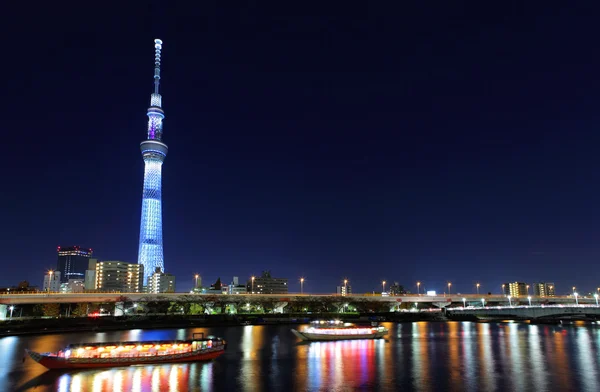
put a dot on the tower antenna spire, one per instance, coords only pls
(157, 49)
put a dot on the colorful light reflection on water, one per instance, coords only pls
(453, 356)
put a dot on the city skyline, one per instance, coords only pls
(417, 287)
(362, 147)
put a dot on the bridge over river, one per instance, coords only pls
(534, 312)
(391, 303)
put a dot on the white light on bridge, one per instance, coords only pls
(431, 293)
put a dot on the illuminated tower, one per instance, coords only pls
(154, 151)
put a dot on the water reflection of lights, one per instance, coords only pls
(75, 383)
(536, 358)
(206, 376)
(137, 379)
(420, 356)
(7, 345)
(515, 359)
(173, 379)
(118, 381)
(98, 380)
(338, 365)
(251, 344)
(156, 379)
(385, 362)
(134, 335)
(134, 378)
(587, 371)
(487, 367)
(300, 375)
(182, 334)
(469, 356)
(274, 356)
(63, 384)
(454, 357)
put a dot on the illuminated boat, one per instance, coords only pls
(94, 355)
(337, 330)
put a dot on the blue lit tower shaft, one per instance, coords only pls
(154, 151)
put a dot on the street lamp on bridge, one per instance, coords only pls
(253, 285)
(301, 285)
(449, 286)
(382, 287)
(503, 288)
(196, 280)
(418, 286)
(527, 289)
(477, 285)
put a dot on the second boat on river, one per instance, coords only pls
(338, 330)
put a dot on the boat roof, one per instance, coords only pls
(136, 343)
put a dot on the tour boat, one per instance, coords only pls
(337, 330)
(94, 355)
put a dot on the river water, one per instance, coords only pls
(420, 356)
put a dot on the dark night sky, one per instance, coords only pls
(436, 141)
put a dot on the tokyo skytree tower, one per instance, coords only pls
(154, 152)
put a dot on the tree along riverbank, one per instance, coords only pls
(109, 323)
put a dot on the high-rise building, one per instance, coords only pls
(154, 152)
(543, 289)
(344, 290)
(52, 281)
(265, 284)
(72, 262)
(515, 289)
(119, 276)
(159, 282)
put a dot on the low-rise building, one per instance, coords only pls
(52, 281)
(543, 289)
(160, 282)
(397, 289)
(73, 286)
(344, 290)
(265, 284)
(235, 287)
(515, 289)
(119, 276)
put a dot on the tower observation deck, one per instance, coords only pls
(154, 152)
